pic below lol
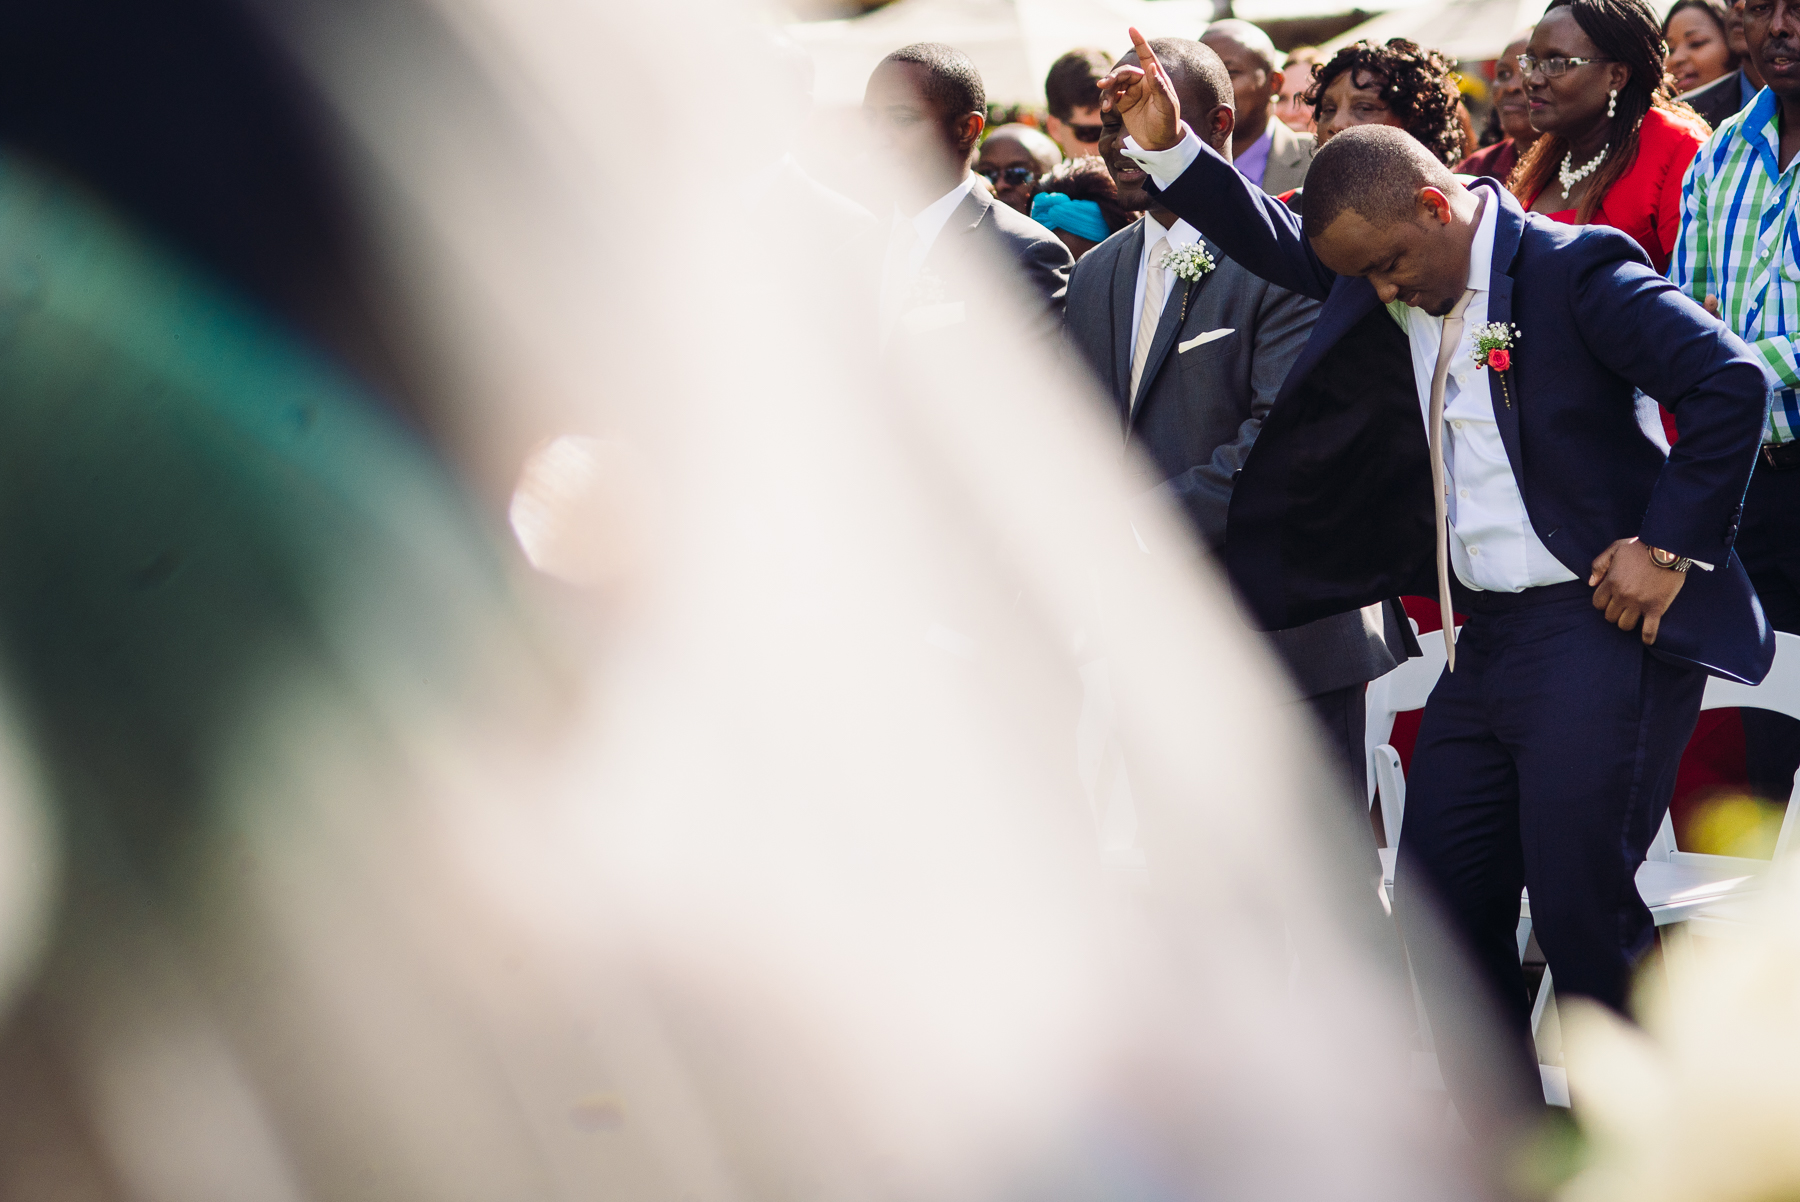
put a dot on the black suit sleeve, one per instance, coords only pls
(1642, 327)
(1046, 264)
(1250, 226)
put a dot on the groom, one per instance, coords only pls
(1547, 756)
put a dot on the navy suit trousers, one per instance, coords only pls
(1546, 760)
(1769, 547)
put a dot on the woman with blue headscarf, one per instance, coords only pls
(1079, 203)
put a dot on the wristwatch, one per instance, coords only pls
(1668, 559)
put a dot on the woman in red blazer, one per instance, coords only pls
(1616, 141)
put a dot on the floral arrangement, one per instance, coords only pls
(1189, 263)
(1493, 348)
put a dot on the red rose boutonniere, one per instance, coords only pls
(1493, 348)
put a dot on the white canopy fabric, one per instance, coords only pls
(1013, 42)
(1465, 30)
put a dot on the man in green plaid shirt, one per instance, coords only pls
(1738, 253)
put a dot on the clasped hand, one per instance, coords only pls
(1144, 98)
(1631, 587)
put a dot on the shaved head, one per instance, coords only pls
(1381, 206)
(1373, 170)
(1036, 143)
(1249, 36)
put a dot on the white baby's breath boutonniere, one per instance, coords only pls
(1189, 263)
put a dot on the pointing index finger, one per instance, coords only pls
(1146, 56)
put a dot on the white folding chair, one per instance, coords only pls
(1677, 884)
(1405, 688)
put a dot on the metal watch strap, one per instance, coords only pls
(1669, 561)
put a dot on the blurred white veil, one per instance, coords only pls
(759, 864)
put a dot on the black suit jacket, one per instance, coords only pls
(1718, 100)
(1218, 358)
(1334, 507)
(986, 248)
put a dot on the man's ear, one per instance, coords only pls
(1276, 80)
(1434, 205)
(1219, 124)
(968, 129)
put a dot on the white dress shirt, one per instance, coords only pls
(909, 240)
(1182, 235)
(1492, 543)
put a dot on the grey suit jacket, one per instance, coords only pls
(1290, 157)
(1198, 410)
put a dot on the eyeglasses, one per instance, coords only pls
(1556, 65)
(1014, 176)
(1086, 133)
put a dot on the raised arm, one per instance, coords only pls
(1203, 188)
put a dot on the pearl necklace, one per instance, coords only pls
(1568, 179)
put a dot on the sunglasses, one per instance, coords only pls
(1014, 176)
(1086, 133)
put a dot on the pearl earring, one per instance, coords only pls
(1612, 102)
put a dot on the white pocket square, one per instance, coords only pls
(1203, 339)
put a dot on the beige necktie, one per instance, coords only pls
(1150, 318)
(1434, 428)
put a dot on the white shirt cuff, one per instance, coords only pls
(1166, 166)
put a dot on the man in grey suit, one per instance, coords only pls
(926, 106)
(1192, 368)
(1265, 150)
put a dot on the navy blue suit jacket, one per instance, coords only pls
(1333, 508)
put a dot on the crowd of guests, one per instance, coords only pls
(1658, 79)
(1598, 112)
(1203, 314)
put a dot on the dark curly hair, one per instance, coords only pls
(1625, 31)
(1087, 178)
(1416, 84)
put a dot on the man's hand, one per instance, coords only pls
(1144, 99)
(1631, 587)
(1711, 305)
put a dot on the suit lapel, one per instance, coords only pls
(1124, 292)
(1168, 329)
(965, 218)
(1509, 227)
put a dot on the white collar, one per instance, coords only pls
(929, 222)
(1481, 249)
(1182, 234)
